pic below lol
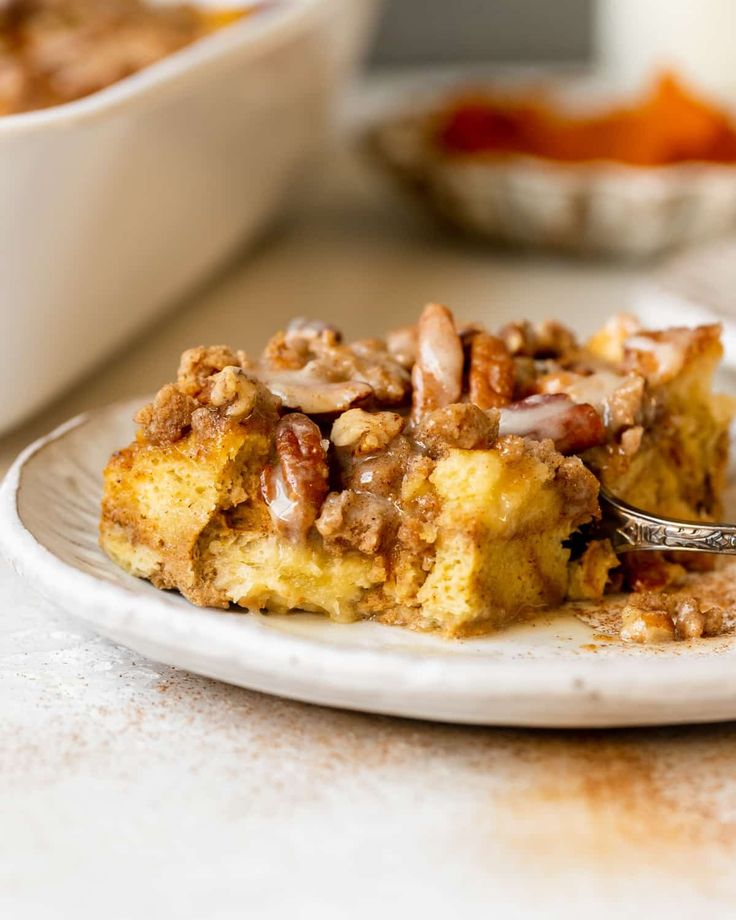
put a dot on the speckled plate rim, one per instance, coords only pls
(370, 667)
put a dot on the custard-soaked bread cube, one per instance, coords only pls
(262, 571)
(504, 516)
(678, 465)
(160, 495)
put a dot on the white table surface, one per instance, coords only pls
(133, 790)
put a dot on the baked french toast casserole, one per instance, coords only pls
(432, 479)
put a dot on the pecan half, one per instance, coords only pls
(573, 427)
(437, 374)
(295, 486)
(315, 396)
(491, 375)
(618, 398)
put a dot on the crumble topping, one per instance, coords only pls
(465, 389)
(310, 369)
(198, 365)
(462, 425)
(168, 417)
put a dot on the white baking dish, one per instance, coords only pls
(113, 206)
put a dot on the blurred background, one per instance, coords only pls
(511, 31)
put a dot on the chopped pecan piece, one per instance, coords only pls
(647, 618)
(375, 366)
(302, 341)
(234, 392)
(309, 369)
(713, 625)
(491, 374)
(365, 432)
(295, 486)
(437, 374)
(281, 355)
(692, 620)
(661, 618)
(526, 375)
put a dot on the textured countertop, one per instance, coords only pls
(133, 790)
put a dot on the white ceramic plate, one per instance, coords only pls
(550, 673)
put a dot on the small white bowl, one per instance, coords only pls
(114, 205)
(596, 208)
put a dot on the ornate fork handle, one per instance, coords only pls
(629, 528)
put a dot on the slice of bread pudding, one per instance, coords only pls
(431, 480)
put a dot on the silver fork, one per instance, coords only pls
(629, 528)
